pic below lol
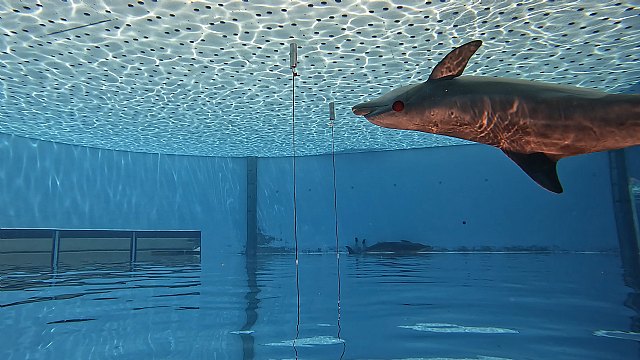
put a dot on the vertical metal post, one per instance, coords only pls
(623, 211)
(133, 247)
(251, 251)
(293, 56)
(252, 213)
(332, 112)
(55, 248)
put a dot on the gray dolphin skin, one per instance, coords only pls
(533, 123)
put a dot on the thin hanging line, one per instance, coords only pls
(82, 26)
(295, 212)
(78, 27)
(335, 211)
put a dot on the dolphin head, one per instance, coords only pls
(398, 109)
(419, 106)
(384, 103)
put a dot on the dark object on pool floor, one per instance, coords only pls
(392, 247)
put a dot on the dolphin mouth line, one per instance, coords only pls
(369, 112)
(362, 111)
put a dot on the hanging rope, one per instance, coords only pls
(293, 57)
(332, 118)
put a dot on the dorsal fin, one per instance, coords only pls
(454, 63)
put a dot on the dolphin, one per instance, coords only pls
(535, 124)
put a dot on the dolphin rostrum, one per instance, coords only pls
(535, 124)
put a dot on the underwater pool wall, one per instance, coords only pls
(51, 185)
(631, 237)
(459, 197)
(451, 198)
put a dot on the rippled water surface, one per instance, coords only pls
(213, 78)
(457, 306)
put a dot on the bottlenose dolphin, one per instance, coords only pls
(535, 124)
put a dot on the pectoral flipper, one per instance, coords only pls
(540, 167)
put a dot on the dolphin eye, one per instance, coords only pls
(397, 106)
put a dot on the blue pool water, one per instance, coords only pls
(430, 306)
(217, 118)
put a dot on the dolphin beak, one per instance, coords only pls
(361, 110)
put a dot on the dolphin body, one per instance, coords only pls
(535, 124)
